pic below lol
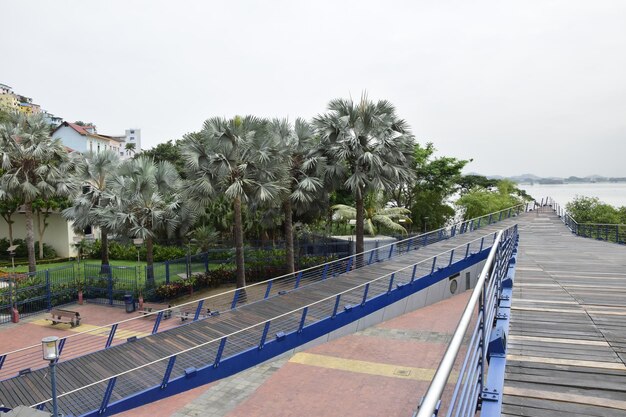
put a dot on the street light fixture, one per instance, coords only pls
(50, 349)
(11, 250)
(138, 242)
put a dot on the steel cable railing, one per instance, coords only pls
(481, 308)
(615, 233)
(112, 334)
(93, 395)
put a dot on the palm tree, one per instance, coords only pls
(145, 199)
(130, 148)
(376, 216)
(34, 165)
(368, 148)
(300, 175)
(94, 173)
(237, 159)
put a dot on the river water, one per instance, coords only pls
(610, 193)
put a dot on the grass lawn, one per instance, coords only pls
(43, 266)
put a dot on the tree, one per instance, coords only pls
(34, 165)
(8, 207)
(237, 159)
(481, 201)
(436, 181)
(368, 148)
(300, 175)
(167, 151)
(94, 172)
(592, 210)
(145, 199)
(130, 148)
(376, 216)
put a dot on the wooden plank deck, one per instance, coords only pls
(79, 372)
(567, 343)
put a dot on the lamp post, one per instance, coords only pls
(138, 242)
(50, 349)
(11, 250)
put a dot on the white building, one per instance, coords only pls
(133, 136)
(87, 139)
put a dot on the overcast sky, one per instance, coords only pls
(521, 87)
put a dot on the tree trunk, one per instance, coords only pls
(289, 236)
(149, 262)
(238, 232)
(104, 249)
(10, 224)
(41, 228)
(30, 236)
(360, 228)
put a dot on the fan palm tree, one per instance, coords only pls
(237, 159)
(376, 216)
(368, 149)
(34, 165)
(145, 199)
(300, 173)
(94, 173)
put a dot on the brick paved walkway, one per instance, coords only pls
(379, 371)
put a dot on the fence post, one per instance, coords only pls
(168, 372)
(157, 322)
(302, 319)
(264, 335)
(167, 272)
(365, 291)
(220, 350)
(451, 257)
(48, 292)
(111, 336)
(432, 270)
(336, 306)
(206, 262)
(107, 395)
(390, 251)
(393, 275)
(233, 304)
(198, 310)
(413, 273)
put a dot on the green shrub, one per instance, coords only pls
(22, 251)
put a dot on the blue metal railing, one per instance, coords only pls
(92, 339)
(487, 339)
(335, 308)
(615, 233)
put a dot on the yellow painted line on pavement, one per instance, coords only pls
(365, 367)
(94, 330)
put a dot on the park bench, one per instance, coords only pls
(58, 315)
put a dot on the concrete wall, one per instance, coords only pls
(59, 233)
(71, 138)
(430, 295)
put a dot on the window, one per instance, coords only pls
(132, 138)
(132, 132)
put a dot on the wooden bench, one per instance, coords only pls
(58, 315)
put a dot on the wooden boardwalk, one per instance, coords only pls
(72, 374)
(567, 343)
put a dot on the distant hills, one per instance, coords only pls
(534, 179)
